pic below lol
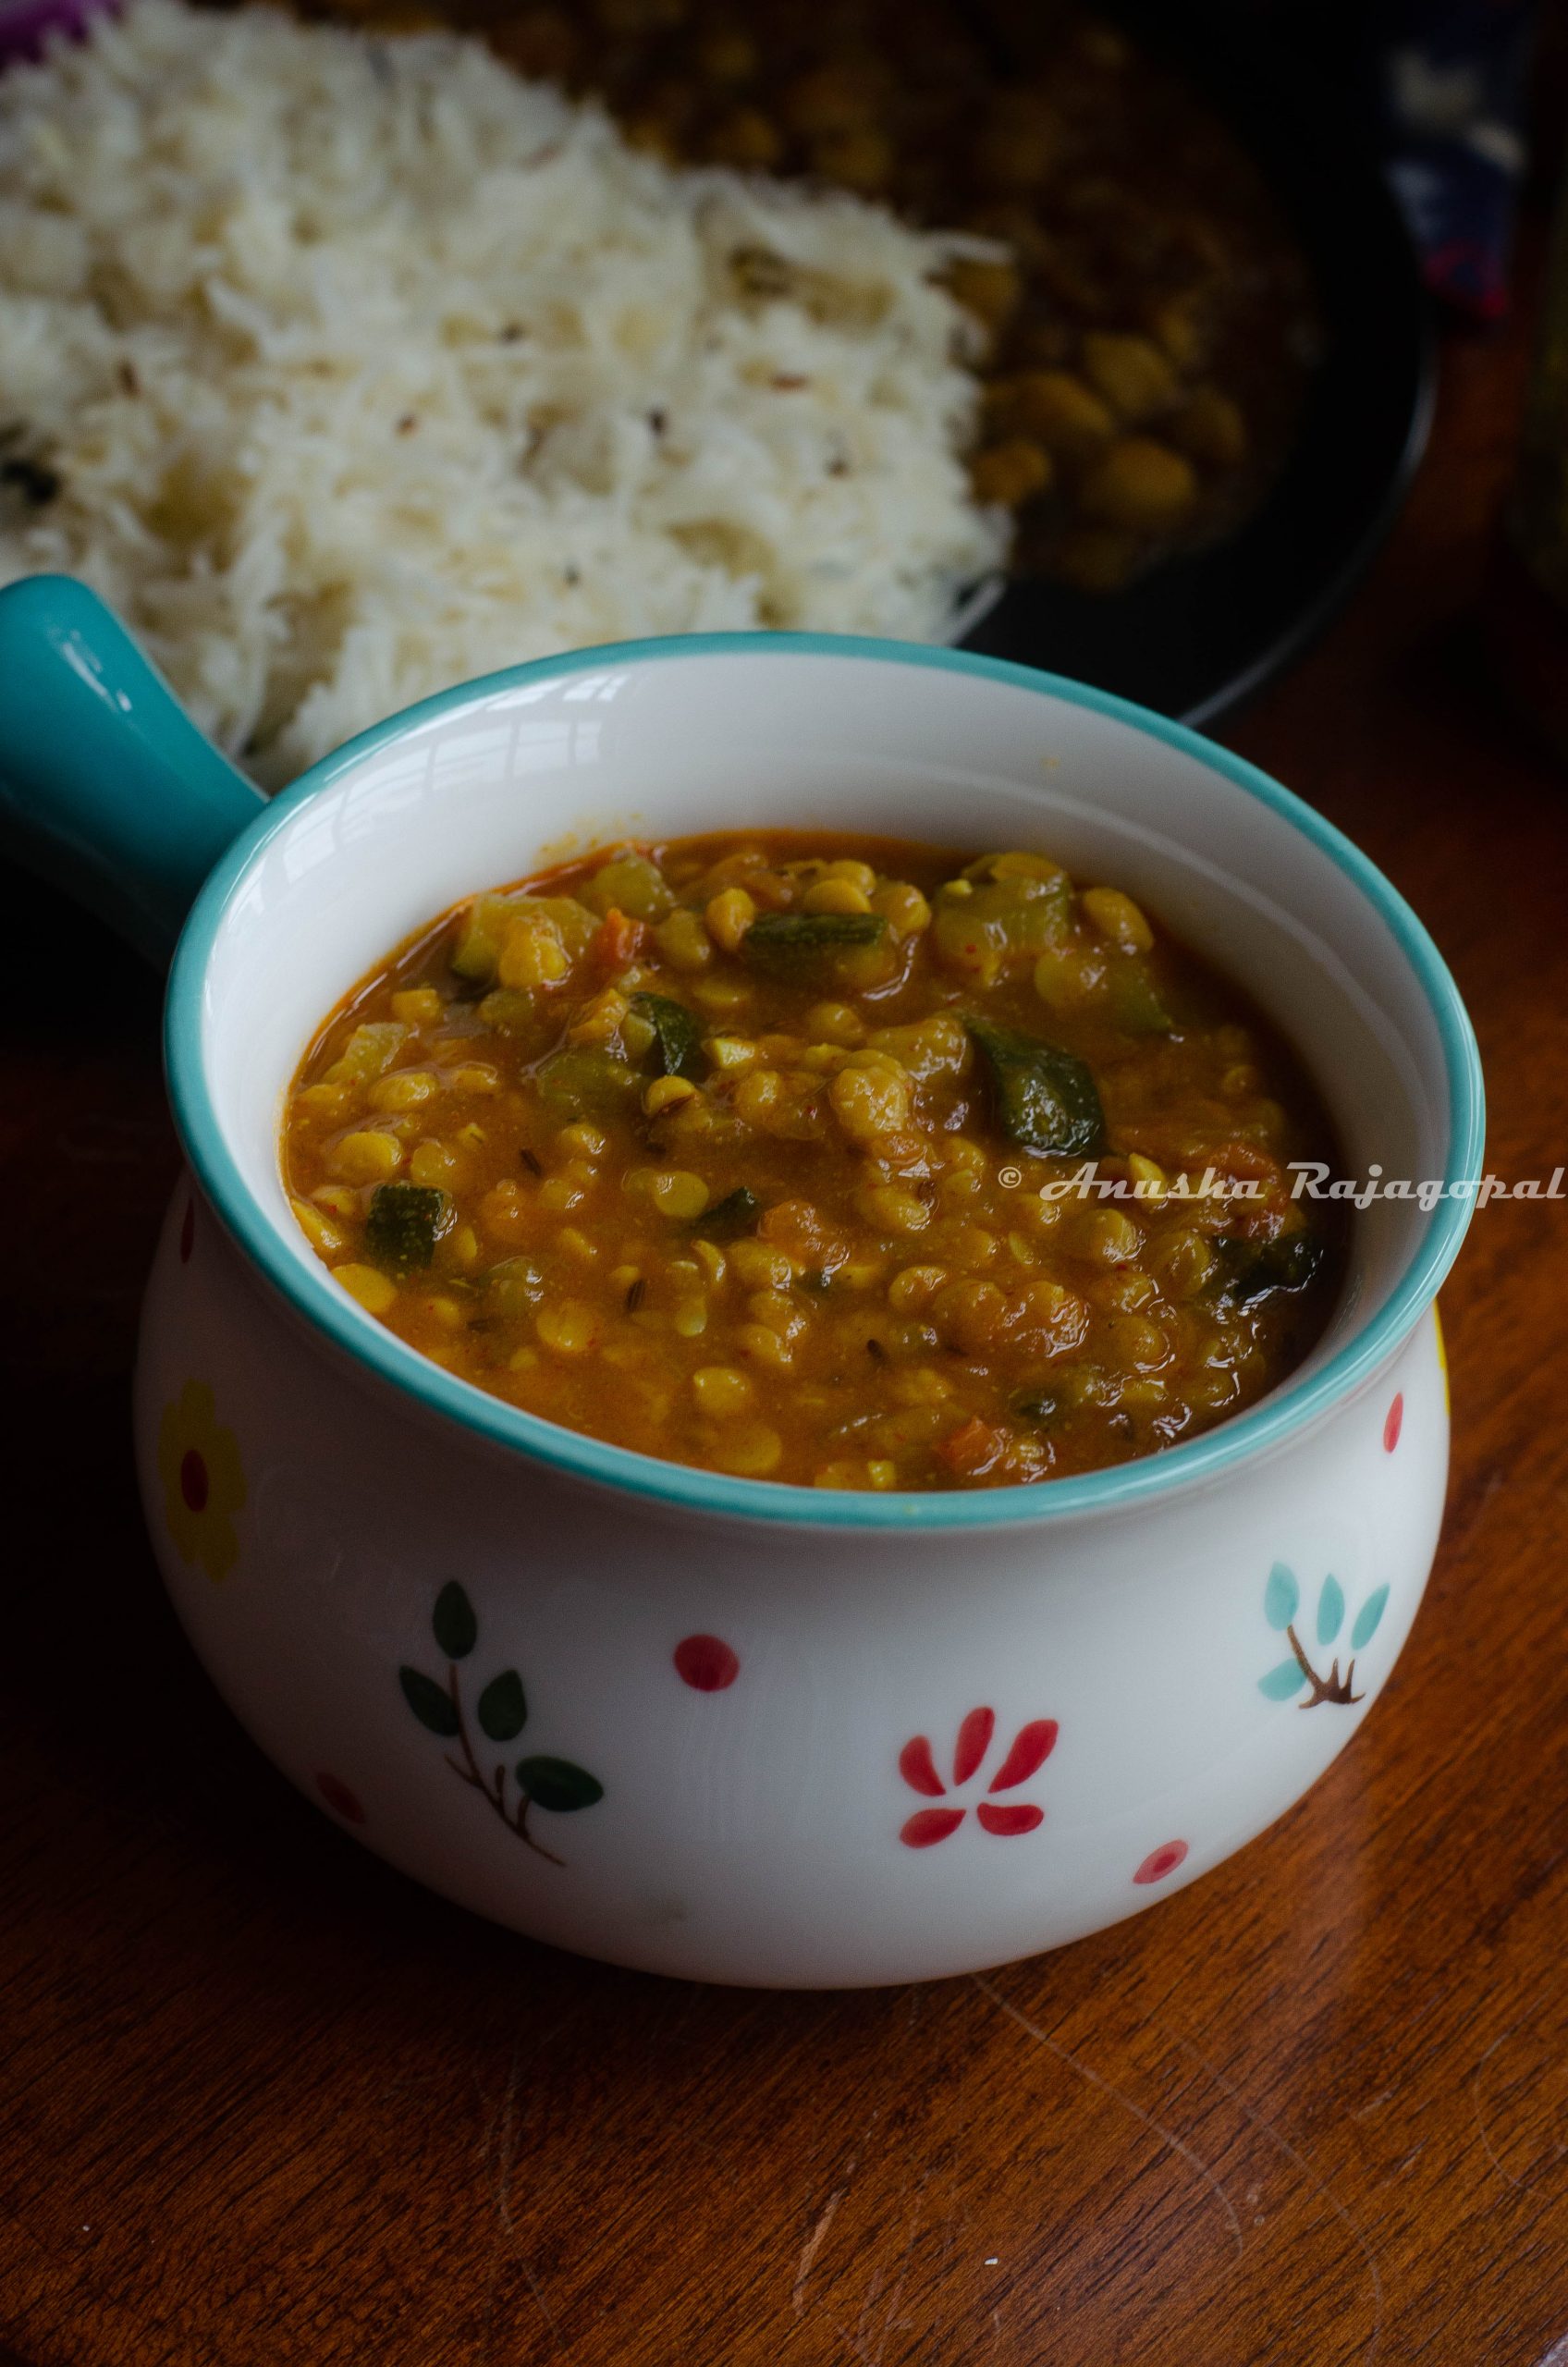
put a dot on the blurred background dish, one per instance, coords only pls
(1209, 372)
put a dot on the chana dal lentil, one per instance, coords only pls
(750, 1153)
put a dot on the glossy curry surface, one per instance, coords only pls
(854, 1164)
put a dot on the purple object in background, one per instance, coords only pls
(26, 25)
(1453, 93)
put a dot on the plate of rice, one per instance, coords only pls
(347, 367)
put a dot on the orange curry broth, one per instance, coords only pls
(779, 1221)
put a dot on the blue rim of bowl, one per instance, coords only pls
(310, 1291)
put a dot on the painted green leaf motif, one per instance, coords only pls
(1281, 1596)
(558, 1785)
(1330, 1610)
(453, 1624)
(1281, 1682)
(429, 1701)
(503, 1710)
(1368, 1617)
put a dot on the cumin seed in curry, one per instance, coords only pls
(748, 1152)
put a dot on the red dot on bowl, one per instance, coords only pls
(705, 1664)
(188, 1233)
(1394, 1424)
(1162, 1861)
(193, 1480)
(339, 1799)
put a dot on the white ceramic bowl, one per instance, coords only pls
(775, 1736)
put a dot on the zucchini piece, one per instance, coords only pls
(511, 1289)
(791, 945)
(586, 1084)
(678, 1039)
(512, 1012)
(478, 948)
(404, 1225)
(1001, 922)
(1133, 1000)
(1042, 1098)
(628, 883)
(737, 1212)
(1290, 1262)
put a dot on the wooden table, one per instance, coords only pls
(262, 2101)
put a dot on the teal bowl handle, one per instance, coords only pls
(107, 789)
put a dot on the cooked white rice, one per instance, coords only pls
(365, 366)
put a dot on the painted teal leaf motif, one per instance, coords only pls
(1330, 1610)
(452, 1622)
(556, 1784)
(430, 1702)
(1281, 1596)
(503, 1707)
(1281, 1682)
(1368, 1617)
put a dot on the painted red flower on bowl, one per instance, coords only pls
(1024, 1757)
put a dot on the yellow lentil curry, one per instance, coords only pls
(851, 1164)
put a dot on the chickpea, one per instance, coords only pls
(1116, 916)
(1182, 1264)
(777, 1313)
(1141, 484)
(1106, 1237)
(418, 1006)
(729, 915)
(1056, 409)
(859, 158)
(436, 1165)
(570, 1329)
(1011, 474)
(368, 1158)
(1099, 558)
(1130, 373)
(1179, 332)
(891, 1209)
(914, 1286)
(369, 1285)
(761, 1268)
(324, 1236)
(989, 290)
(836, 896)
(757, 1096)
(970, 1316)
(869, 1102)
(1212, 428)
(831, 98)
(837, 1022)
(683, 941)
(1019, 145)
(532, 954)
(903, 908)
(745, 138)
(728, 55)
(720, 1391)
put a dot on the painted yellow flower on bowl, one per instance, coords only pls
(203, 1482)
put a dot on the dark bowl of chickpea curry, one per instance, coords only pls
(742, 1292)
